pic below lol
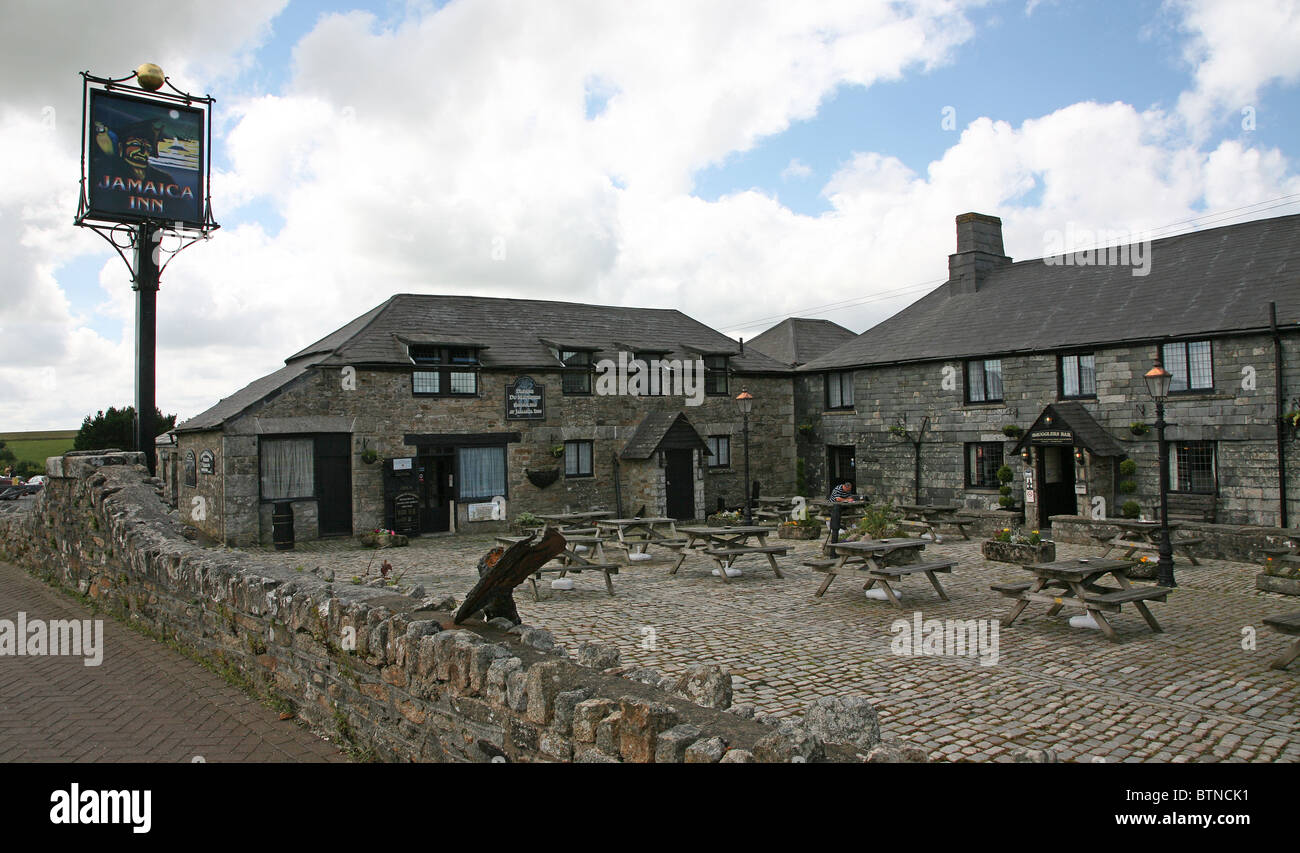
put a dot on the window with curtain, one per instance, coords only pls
(577, 458)
(720, 448)
(983, 459)
(715, 375)
(288, 468)
(839, 390)
(984, 381)
(482, 472)
(1078, 375)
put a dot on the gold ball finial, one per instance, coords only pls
(149, 76)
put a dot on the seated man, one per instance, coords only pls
(843, 493)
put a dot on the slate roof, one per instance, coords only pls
(1073, 416)
(1212, 282)
(657, 426)
(799, 340)
(514, 333)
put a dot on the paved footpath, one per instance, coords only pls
(144, 702)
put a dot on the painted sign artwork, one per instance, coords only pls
(144, 160)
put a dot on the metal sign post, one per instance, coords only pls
(135, 194)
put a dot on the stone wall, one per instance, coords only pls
(1242, 544)
(1238, 415)
(386, 672)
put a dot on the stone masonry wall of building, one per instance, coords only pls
(388, 675)
(382, 411)
(1238, 415)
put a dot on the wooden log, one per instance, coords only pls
(500, 571)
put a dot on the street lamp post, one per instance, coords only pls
(1158, 381)
(745, 402)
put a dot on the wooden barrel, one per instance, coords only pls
(282, 525)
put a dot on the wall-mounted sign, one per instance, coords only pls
(525, 400)
(402, 464)
(1029, 496)
(1029, 478)
(191, 476)
(406, 514)
(482, 512)
(1051, 436)
(1081, 488)
(207, 463)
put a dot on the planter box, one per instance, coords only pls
(382, 540)
(792, 532)
(1022, 555)
(1269, 583)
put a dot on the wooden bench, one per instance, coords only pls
(1111, 600)
(893, 573)
(919, 526)
(961, 523)
(1011, 590)
(605, 569)
(724, 557)
(819, 565)
(1288, 624)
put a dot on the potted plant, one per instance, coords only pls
(542, 479)
(1012, 431)
(1281, 573)
(557, 451)
(1292, 421)
(1005, 475)
(525, 523)
(1139, 428)
(1014, 546)
(808, 528)
(724, 519)
(381, 537)
(368, 454)
(1131, 509)
(898, 431)
(806, 429)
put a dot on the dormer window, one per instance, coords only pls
(443, 371)
(577, 371)
(715, 375)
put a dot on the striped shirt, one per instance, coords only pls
(840, 493)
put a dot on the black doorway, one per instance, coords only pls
(679, 483)
(1055, 484)
(437, 488)
(334, 485)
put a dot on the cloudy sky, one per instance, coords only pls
(742, 161)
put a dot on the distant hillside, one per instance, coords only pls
(36, 446)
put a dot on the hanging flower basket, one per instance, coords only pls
(542, 479)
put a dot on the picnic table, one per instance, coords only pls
(725, 544)
(774, 509)
(571, 560)
(1077, 582)
(636, 535)
(848, 511)
(926, 517)
(573, 519)
(1137, 535)
(1289, 625)
(873, 556)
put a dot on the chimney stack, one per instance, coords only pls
(979, 252)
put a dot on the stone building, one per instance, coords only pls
(915, 408)
(453, 413)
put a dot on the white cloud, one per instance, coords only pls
(796, 168)
(1237, 49)
(452, 152)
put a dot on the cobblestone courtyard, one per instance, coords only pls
(1191, 693)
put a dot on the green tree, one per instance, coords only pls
(116, 429)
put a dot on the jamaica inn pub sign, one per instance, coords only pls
(525, 400)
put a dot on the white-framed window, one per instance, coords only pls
(839, 390)
(984, 380)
